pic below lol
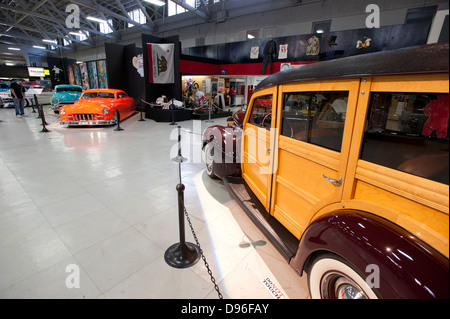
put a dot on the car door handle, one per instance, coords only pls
(336, 182)
(266, 149)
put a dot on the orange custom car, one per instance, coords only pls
(98, 107)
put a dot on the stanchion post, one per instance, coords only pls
(41, 113)
(140, 108)
(209, 111)
(182, 254)
(35, 102)
(173, 116)
(118, 128)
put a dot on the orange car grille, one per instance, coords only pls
(85, 117)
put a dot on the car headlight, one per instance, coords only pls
(62, 111)
(105, 111)
(55, 101)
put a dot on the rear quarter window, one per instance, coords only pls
(409, 132)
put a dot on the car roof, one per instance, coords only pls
(104, 91)
(426, 59)
(67, 85)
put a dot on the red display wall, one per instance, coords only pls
(202, 68)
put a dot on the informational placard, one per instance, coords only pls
(33, 91)
(36, 72)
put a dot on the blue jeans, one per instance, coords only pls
(19, 105)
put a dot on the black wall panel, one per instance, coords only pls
(384, 38)
(115, 61)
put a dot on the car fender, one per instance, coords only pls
(406, 266)
(227, 145)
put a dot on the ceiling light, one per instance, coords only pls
(50, 41)
(319, 31)
(9, 63)
(156, 2)
(39, 47)
(249, 36)
(14, 49)
(96, 19)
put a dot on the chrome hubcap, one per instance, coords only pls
(335, 285)
(209, 158)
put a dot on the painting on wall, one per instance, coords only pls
(70, 74)
(84, 76)
(92, 74)
(102, 76)
(77, 74)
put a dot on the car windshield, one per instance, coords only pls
(104, 95)
(69, 89)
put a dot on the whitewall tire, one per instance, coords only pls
(209, 160)
(330, 277)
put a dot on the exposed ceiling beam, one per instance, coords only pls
(201, 14)
(109, 13)
(35, 7)
(145, 13)
(91, 28)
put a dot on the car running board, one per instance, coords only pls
(277, 234)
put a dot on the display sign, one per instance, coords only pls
(33, 71)
(254, 52)
(283, 53)
(161, 63)
(34, 91)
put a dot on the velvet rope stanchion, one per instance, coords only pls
(182, 254)
(117, 117)
(42, 116)
(141, 110)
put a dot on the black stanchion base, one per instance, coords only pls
(182, 256)
(44, 130)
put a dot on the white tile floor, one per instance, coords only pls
(106, 202)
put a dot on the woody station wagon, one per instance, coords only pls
(344, 166)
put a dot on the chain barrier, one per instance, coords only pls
(213, 280)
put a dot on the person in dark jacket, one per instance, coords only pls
(18, 94)
(269, 50)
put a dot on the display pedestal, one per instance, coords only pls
(204, 115)
(164, 115)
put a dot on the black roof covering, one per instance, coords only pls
(432, 58)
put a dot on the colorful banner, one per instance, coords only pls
(161, 63)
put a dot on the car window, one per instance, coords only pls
(315, 117)
(262, 112)
(69, 89)
(105, 95)
(409, 132)
(121, 95)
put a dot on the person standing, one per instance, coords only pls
(18, 93)
(269, 50)
(232, 95)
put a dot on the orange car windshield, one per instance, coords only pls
(104, 95)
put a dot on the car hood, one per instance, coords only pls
(94, 105)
